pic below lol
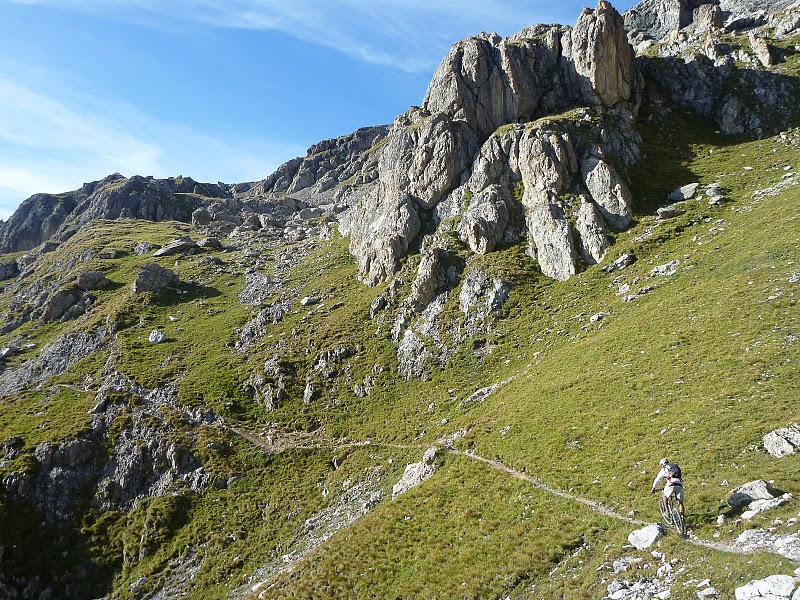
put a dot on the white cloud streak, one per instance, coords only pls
(408, 35)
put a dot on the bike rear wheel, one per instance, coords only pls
(677, 520)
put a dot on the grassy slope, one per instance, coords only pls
(699, 369)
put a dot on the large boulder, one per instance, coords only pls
(747, 493)
(646, 537)
(154, 278)
(92, 280)
(431, 277)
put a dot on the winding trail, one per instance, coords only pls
(307, 441)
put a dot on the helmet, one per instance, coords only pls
(663, 462)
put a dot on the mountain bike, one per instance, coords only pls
(672, 516)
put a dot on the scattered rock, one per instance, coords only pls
(154, 278)
(309, 300)
(646, 537)
(431, 278)
(669, 212)
(210, 243)
(759, 506)
(782, 442)
(142, 248)
(156, 337)
(665, 269)
(754, 490)
(708, 593)
(753, 540)
(59, 303)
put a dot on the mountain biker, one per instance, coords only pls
(672, 473)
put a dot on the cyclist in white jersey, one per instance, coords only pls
(672, 473)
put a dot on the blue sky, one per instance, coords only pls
(219, 90)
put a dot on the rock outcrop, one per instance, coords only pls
(465, 150)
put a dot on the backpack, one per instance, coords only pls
(674, 471)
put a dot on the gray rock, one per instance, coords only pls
(665, 269)
(485, 219)
(708, 593)
(378, 304)
(774, 587)
(747, 493)
(431, 277)
(59, 303)
(782, 442)
(646, 537)
(669, 212)
(761, 49)
(413, 358)
(309, 300)
(156, 337)
(92, 280)
(308, 393)
(552, 241)
(181, 245)
(592, 232)
(154, 278)
(602, 56)
(684, 192)
(201, 217)
(759, 506)
(609, 192)
(620, 263)
(210, 243)
(257, 289)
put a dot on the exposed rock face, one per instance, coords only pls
(701, 72)
(434, 158)
(154, 278)
(602, 55)
(53, 360)
(609, 192)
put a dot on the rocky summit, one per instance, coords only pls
(438, 358)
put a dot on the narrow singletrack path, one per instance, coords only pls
(278, 443)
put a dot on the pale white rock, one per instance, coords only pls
(485, 219)
(431, 277)
(612, 196)
(759, 506)
(708, 593)
(684, 192)
(646, 537)
(156, 337)
(551, 240)
(774, 587)
(665, 269)
(782, 442)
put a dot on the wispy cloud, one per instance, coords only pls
(51, 145)
(407, 35)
